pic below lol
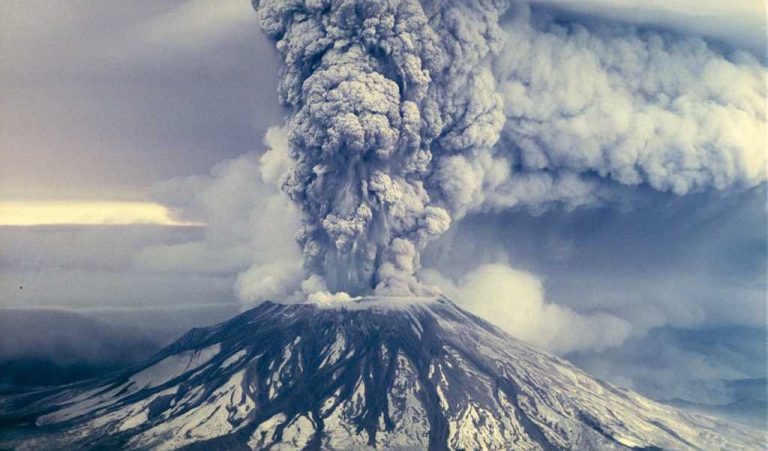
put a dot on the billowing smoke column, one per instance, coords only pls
(397, 126)
(377, 89)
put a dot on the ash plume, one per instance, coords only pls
(407, 115)
(377, 89)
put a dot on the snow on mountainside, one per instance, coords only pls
(386, 373)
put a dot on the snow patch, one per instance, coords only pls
(263, 436)
(298, 433)
(334, 351)
(172, 367)
(234, 358)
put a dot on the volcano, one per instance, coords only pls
(388, 373)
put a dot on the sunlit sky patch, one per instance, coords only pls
(38, 213)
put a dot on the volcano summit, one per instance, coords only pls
(394, 373)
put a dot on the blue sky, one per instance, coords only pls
(169, 103)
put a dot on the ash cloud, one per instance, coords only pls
(635, 107)
(407, 116)
(378, 91)
(592, 107)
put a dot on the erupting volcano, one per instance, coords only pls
(402, 118)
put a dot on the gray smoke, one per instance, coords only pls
(406, 115)
(377, 89)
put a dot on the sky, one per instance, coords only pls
(139, 147)
(106, 101)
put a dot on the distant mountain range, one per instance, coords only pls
(47, 347)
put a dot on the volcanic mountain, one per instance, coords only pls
(390, 373)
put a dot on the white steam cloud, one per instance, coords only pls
(514, 300)
(407, 115)
(250, 225)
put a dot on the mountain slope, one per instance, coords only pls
(392, 373)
